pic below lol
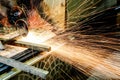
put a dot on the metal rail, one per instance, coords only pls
(19, 65)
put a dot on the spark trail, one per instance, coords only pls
(97, 55)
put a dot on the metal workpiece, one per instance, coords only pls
(21, 66)
(34, 46)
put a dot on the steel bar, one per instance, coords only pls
(34, 45)
(22, 56)
(19, 65)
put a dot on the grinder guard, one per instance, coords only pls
(18, 17)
